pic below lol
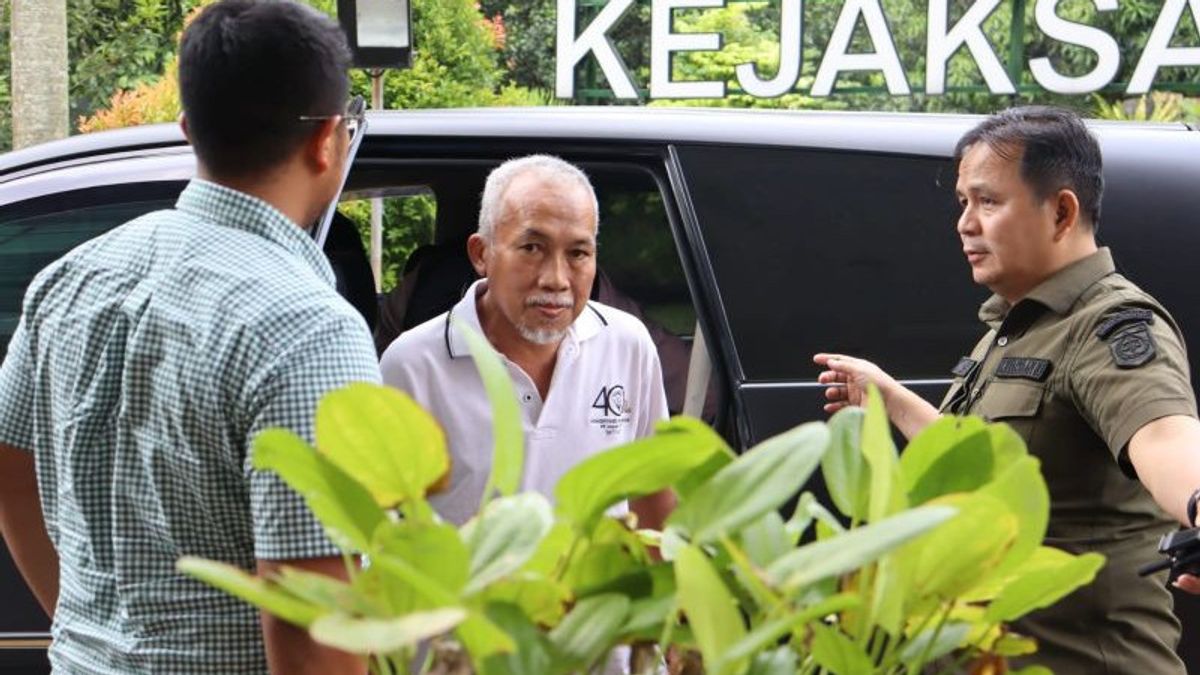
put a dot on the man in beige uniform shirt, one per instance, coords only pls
(1089, 369)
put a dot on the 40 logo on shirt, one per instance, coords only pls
(615, 409)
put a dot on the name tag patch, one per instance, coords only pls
(1024, 368)
(964, 367)
(1114, 321)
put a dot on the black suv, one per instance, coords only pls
(777, 234)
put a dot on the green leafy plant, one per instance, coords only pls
(933, 553)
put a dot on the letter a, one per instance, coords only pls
(1158, 52)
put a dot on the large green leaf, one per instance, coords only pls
(765, 540)
(954, 557)
(845, 469)
(590, 629)
(1042, 585)
(483, 639)
(258, 592)
(505, 536)
(1023, 490)
(598, 564)
(642, 467)
(329, 593)
(712, 612)
(383, 635)
(647, 616)
(533, 654)
(835, 652)
(858, 547)
(887, 493)
(1007, 446)
(346, 510)
(508, 440)
(435, 549)
(383, 439)
(541, 599)
(755, 483)
(954, 454)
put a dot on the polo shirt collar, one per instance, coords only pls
(235, 209)
(1058, 293)
(587, 325)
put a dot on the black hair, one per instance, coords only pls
(1056, 150)
(248, 71)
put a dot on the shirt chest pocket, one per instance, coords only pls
(1017, 402)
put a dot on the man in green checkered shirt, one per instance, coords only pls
(146, 361)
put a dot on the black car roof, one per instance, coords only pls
(904, 133)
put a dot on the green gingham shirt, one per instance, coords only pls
(144, 363)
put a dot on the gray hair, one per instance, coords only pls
(546, 166)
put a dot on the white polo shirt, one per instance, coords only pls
(607, 390)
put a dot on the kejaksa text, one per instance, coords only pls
(943, 41)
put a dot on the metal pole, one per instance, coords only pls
(376, 202)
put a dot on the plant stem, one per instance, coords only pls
(914, 669)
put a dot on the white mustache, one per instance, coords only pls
(550, 300)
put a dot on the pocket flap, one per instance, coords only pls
(1005, 398)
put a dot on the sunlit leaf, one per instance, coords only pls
(541, 599)
(590, 628)
(954, 454)
(887, 492)
(954, 557)
(252, 589)
(505, 536)
(712, 612)
(384, 440)
(855, 548)
(758, 481)
(433, 548)
(765, 539)
(837, 653)
(845, 469)
(346, 510)
(508, 453)
(647, 615)
(383, 635)
(642, 467)
(1023, 490)
(1042, 586)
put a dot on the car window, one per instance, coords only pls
(819, 251)
(30, 242)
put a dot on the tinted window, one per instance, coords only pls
(30, 242)
(818, 251)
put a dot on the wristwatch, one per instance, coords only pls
(1191, 507)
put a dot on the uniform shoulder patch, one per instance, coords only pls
(1132, 346)
(1121, 317)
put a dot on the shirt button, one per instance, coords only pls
(528, 397)
(1002, 341)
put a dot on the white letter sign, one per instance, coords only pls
(791, 32)
(968, 30)
(1108, 54)
(885, 58)
(571, 50)
(1158, 51)
(664, 42)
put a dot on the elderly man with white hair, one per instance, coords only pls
(587, 375)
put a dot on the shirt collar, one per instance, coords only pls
(588, 324)
(231, 208)
(1060, 291)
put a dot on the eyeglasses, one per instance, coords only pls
(356, 113)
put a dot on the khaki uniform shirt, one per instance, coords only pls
(1077, 367)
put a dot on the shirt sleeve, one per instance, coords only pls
(653, 392)
(333, 354)
(16, 392)
(1130, 375)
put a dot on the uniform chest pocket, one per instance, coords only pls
(1011, 400)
